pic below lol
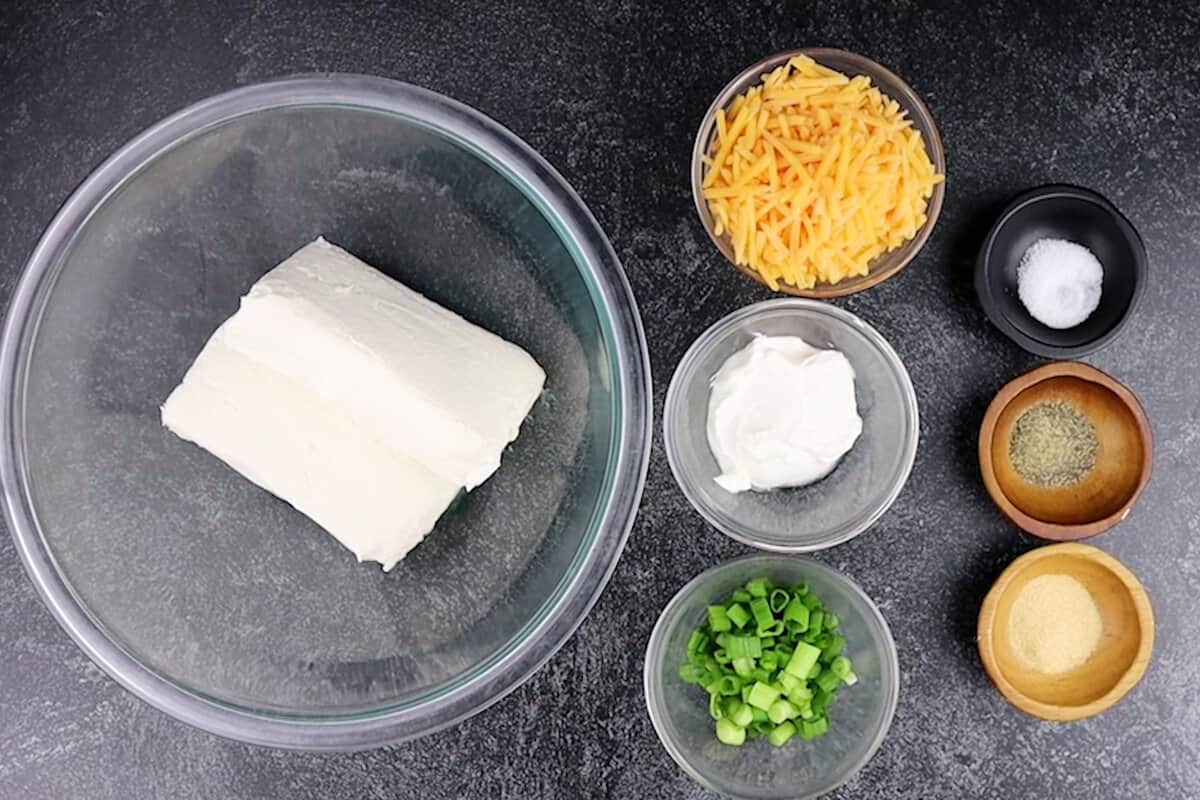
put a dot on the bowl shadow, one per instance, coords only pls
(965, 245)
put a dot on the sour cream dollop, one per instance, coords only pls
(781, 413)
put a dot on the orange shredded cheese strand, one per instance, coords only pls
(814, 174)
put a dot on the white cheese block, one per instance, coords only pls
(358, 401)
(378, 503)
(429, 383)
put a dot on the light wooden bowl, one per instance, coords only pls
(1119, 662)
(1106, 495)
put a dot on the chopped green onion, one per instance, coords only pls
(796, 612)
(834, 648)
(757, 587)
(800, 695)
(840, 666)
(770, 661)
(743, 647)
(744, 667)
(780, 735)
(729, 685)
(738, 615)
(729, 732)
(781, 711)
(775, 628)
(737, 711)
(802, 660)
(762, 695)
(718, 619)
(778, 600)
(827, 681)
(761, 610)
(812, 728)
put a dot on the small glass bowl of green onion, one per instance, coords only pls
(854, 678)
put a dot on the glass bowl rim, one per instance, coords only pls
(671, 612)
(750, 76)
(714, 333)
(553, 623)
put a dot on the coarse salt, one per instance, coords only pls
(1059, 282)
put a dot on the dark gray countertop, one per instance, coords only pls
(1107, 95)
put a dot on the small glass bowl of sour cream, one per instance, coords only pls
(863, 484)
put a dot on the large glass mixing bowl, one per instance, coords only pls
(212, 599)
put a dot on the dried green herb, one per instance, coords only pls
(1053, 445)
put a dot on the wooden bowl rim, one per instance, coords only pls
(1128, 679)
(1052, 531)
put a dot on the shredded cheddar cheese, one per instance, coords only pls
(814, 174)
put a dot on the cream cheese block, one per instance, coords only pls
(429, 383)
(360, 402)
(378, 502)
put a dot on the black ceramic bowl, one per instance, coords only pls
(1078, 215)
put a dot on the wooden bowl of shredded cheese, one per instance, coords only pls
(818, 172)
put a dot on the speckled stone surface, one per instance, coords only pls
(1106, 95)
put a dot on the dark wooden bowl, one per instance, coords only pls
(1105, 495)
